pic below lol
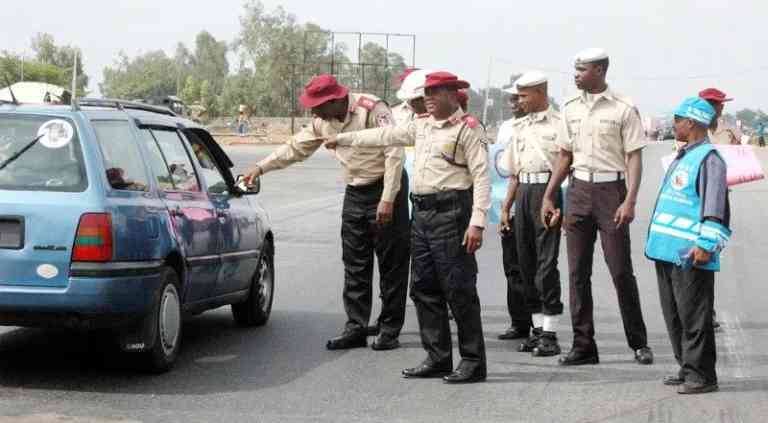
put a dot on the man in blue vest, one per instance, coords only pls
(688, 230)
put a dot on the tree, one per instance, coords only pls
(377, 69)
(143, 77)
(191, 91)
(210, 61)
(63, 57)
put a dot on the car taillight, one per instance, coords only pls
(93, 241)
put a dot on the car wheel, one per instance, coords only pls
(256, 309)
(162, 356)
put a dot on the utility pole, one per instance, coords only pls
(487, 91)
(22, 67)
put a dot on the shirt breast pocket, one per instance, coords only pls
(608, 134)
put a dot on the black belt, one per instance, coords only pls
(443, 200)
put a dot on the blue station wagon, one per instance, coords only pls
(123, 217)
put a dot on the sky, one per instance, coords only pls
(661, 51)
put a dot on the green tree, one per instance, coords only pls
(191, 91)
(63, 57)
(210, 61)
(143, 77)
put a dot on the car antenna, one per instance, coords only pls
(10, 90)
(73, 101)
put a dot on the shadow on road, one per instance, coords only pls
(217, 357)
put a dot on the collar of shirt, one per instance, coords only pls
(594, 98)
(455, 117)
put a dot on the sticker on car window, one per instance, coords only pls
(56, 133)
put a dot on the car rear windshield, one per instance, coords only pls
(40, 153)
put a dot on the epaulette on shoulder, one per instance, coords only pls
(366, 102)
(572, 99)
(624, 99)
(471, 121)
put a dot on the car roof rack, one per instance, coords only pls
(123, 105)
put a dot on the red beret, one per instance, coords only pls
(445, 79)
(321, 89)
(713, 94)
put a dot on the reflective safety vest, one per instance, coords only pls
(677, 225)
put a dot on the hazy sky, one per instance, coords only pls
(661, 51)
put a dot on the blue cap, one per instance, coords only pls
(696, 109)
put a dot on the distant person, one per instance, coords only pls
(242, 123)
(719, 131)
(374, 217)
(690, 227)
(761, 134)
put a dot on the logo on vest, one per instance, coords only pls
(679, 180)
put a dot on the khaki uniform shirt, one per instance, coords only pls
(723, 134)
(600, 130)
(533, 136)
(403, 113)
(361, 167)
(435, 141)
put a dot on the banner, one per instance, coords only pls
(743, 165)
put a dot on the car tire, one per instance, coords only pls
(255, 310)
(168, 319)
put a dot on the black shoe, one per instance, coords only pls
(385, 342)
(644, 355)
(515, 332)
(547, 346)
(578, 358)
(697, 388)
(529, 344)
(467, 374)
(673, 380)
(428, 370)
(346, 341)
(372, 330)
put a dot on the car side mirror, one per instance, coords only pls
(246, 189)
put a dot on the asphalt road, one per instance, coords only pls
(282, 372)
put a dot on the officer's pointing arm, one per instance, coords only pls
(402, 135)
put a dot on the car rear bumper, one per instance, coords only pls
(97, 296)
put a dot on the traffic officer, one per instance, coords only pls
(411, 91)
(375, 210)
(404, 110)
(518, 294)
(535, 144)
(602, 150)
(719, 132)
(690, 227)
(451, 196)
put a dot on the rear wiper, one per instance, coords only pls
(20, 152)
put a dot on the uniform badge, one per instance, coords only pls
(679, 180)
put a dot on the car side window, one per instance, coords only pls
(214, 180)
(180, 166)
(157, 161)
(122, 159)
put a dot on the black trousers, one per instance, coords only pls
(687, 299)
(443, 273)
(361, 238)
(520, 298)
(590, 209)
(538, 248)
